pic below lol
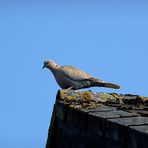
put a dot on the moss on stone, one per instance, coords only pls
(90, 100)
(62, 94)
(67, 96)
(86, 96)
(107, 98)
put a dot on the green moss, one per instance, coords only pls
(106, 98)
(65, 96)
(62, 94)
(119, 98)
(76, 95)
(70, 98)
(86, 96)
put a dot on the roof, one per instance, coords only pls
(87, 119)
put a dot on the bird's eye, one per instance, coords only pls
(45, 63)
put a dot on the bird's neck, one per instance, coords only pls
(53, 68)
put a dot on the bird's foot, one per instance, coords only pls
(70, 88)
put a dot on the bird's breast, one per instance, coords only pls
(63, 81)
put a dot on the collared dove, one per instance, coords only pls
(69, 77)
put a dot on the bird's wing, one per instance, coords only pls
(74, 73)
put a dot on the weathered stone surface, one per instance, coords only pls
(100, 108)
(93, 141)
(138, 136)
(99, 119)
(87, 99)
(109, 143)
(71, 136)
(90, 120)
(130, 121)
(67, 135)
(77, 118)
(61, 110)
(117, 129)
(113, 114)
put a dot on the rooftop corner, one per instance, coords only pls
(86, 119)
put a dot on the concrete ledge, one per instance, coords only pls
(90, 120)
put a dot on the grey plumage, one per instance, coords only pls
(70, 77)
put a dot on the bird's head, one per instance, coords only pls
(49, 64)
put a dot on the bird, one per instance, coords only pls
(69, 77)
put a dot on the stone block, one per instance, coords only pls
(138, 136)
(117, 129)
(77, 118)
(97, 120)
(61, 110)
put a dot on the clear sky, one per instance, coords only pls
(107, 39)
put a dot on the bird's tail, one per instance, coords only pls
(110, 85)
(100, 83)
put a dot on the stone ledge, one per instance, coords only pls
(87, 119)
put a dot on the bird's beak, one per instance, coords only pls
(43, 67)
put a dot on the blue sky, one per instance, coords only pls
(107, 39)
